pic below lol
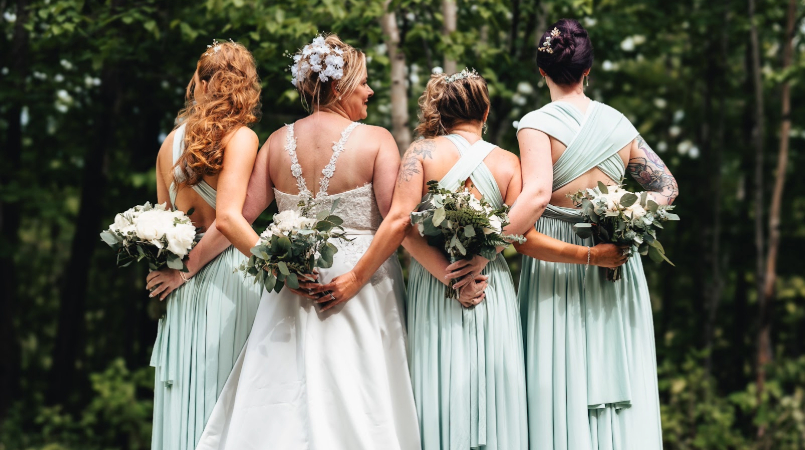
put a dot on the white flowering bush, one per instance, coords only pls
(461, 224)
(320, 58)
(614, 215)
(152, 233)
(293, 245)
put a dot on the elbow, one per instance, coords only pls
(541, 200)
(225, 222)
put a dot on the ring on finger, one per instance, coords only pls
(332, 297)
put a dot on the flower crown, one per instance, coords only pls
(466, 73)
(546, 47)
(320, 58)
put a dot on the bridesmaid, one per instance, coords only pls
(210, 310)
(465, 356)
(589, 343)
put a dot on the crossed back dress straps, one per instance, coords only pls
(202, 188)
(471, 165)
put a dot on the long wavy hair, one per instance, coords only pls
(445, 104)
(232, 100)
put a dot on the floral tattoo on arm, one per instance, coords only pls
(650, 171)
(410, 166)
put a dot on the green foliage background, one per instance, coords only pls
(88, 90)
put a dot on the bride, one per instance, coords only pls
(312, 377)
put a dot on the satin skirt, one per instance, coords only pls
(467, 364)
(591, 364)
(207, 323)
(309, 380)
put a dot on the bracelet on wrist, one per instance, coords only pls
(589, 254)
(184, 277)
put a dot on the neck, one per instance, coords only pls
(332, 109)
(474, 127)
(565, 92)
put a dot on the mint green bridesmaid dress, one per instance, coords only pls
(467, 363)
(199, 339)
(591, 366)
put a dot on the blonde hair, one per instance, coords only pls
(323, 94)
(445, 103)
(232, 100)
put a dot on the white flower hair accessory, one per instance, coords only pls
(466, 73)
(320, 58)
(546, 47)
(215, 47)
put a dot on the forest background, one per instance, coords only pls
(89, 89)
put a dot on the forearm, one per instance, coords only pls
(545, 248)
(386, 241)
(429, 257)
(208, 248)
(239, 232)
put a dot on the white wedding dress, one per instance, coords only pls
(333, 380)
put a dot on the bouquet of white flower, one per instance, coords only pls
(620, 217)
(154, 233)
(462, 225)
(293, 245)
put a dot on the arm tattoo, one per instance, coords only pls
(422, 148)
(650, 171)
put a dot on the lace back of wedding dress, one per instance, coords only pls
(357, 207)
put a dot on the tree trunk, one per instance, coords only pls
(717, 282)
(449, 12)
(770, 277)
(10, 214)
(70, 329)
(763, 349)
(399, 96)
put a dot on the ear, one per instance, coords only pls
(204, 85)
(336, 90)
(587, 73)
(486, 114)
(542, 73)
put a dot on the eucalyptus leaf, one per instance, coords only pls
(469, 231)
(438, 216)
(603, 188)
(292, 281)
(628, 200)
(283, 268)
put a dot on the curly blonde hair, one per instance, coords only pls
(323, 94)
(445, 104)
(232, 100)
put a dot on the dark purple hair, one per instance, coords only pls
(572, 52)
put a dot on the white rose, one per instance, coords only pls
(122, 225)
(635, 211)
(476, 204)
(151, 225)
(180, 239)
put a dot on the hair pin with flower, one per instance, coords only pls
(215, 47)
(546, 47)
(320, 58)
(466, 73)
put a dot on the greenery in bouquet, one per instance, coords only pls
(152, 233)
(461, 224)
(293, 246)
(614, 215)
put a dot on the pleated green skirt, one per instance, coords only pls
(467, 364)
(199, 339)
(591, 365)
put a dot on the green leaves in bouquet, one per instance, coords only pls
(175, 262)
(657, 253)
(584, 230)
(628, 200)
(603, 188)
(326, 254)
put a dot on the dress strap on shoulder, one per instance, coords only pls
(338, 148)
(296, 168)
(178, 149)
(471, 165)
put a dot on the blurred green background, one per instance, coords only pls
(89, 89)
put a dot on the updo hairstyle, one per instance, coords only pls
(320, 93)
(570, 55)
(451, 100)
(232, 100)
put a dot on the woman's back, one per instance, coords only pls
(440, 154)
(315, 137)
